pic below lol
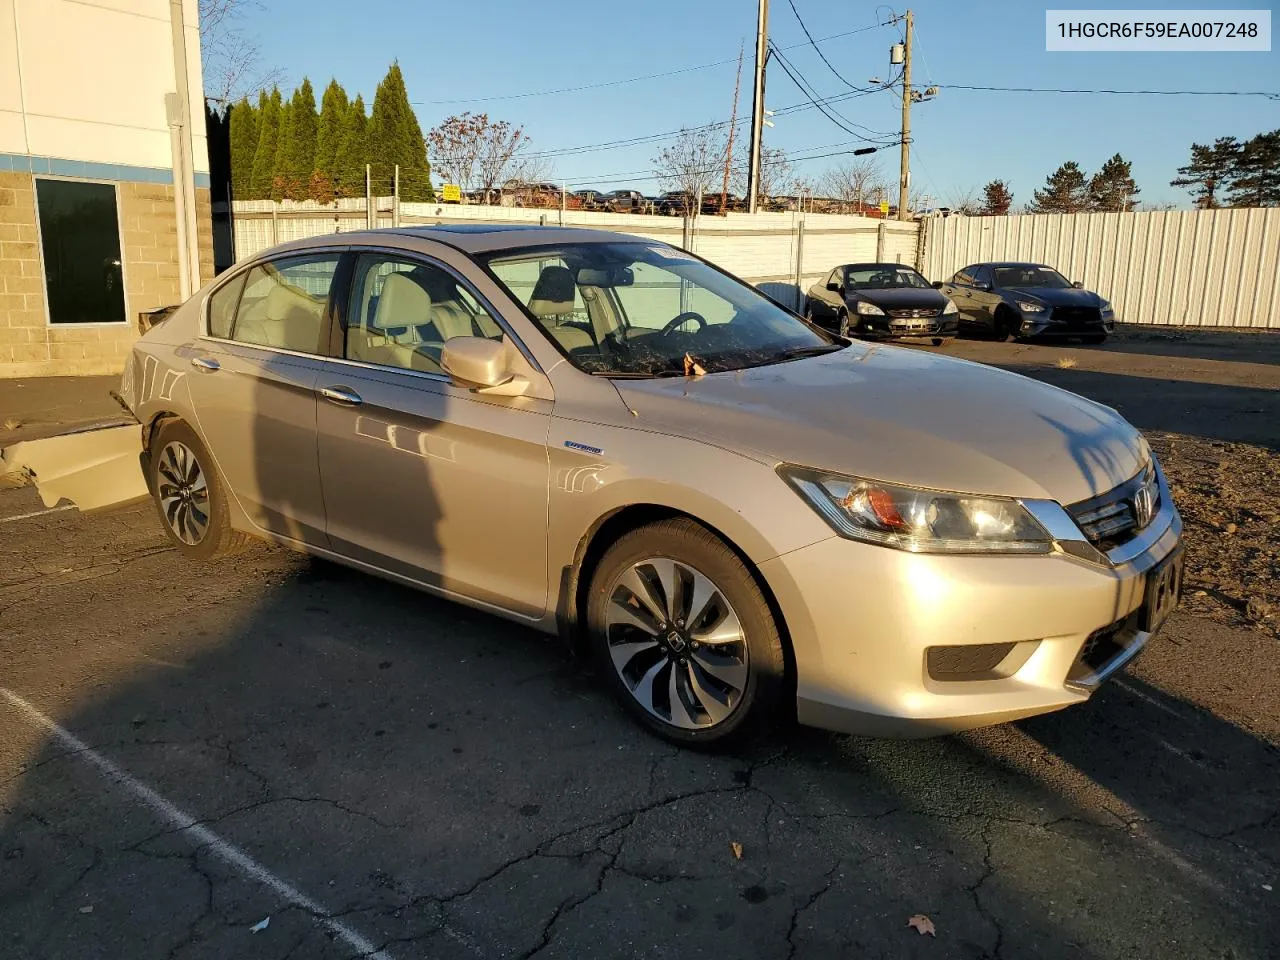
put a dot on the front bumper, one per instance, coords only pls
(863, 620)
(891, 328)
(1041, 325)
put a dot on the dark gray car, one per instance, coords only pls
(1027, 300)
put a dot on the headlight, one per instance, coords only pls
(1029, 306)
(1106, 307)
(949, 308)
(921, 521)
(869, 309)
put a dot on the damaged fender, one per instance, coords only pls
(94, 468)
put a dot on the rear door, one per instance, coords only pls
(252, 382)
(982, 299)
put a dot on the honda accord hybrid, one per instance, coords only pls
(741, 517)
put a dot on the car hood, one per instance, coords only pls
(1056, 297)
(903, 297)
(898, 415)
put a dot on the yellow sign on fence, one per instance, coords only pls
(884, 205)
(451, 193)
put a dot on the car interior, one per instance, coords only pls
(287, 317)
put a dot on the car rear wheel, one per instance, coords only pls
(683, 634)
(189, 496)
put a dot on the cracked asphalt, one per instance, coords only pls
(269, 736)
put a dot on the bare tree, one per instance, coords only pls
(858, 182)
(475, 152)
(232, 61)
(693, 161)
(964, 200)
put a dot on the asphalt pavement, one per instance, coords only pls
(268, 756)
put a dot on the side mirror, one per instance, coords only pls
(1079, 284)
(833, 286)
(937, 284)
(483, 365)
(982, 285)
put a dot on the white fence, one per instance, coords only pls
(1187, 268)
(782, 253)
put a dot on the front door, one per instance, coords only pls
(252, 381)
(422, 477)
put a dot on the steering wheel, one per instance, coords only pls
(684, 318)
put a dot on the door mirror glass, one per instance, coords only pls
(981, 285)
(1078, 283)
(937, 284)
(833, 286)
(475, 361)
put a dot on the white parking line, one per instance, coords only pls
(185, 823)
(37, 513)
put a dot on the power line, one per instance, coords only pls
(1153, 93)
(838, 119)
(813, 43)
(615, 83)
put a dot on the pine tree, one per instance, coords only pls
(302, 139)
(353, 152)
(244, 144)
(1255, 180)
(396, 138)
(282, 183)
(264, 158)
(1210, 171)
(1065, 191)
(997, 199)
(1112, 189)
(333, 117)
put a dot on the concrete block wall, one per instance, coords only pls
(29, 344)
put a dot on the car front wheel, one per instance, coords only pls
(189, 496)
(683, 634)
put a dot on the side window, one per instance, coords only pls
(402, 312)
(837, 277)
(284, 302)
(981, 274)
(222, 307)
(658, 296)
(965, 277)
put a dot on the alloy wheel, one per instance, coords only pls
(676, 643)
(183, 492)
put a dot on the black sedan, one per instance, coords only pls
(1027, 300)
(881, 301)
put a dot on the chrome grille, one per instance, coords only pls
(1118, 515)
(914, 314)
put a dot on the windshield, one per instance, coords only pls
(883, 278)
(639, 309)
(1030, 277)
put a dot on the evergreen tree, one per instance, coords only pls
(1209, 171)
(244, 144)
(1112, 188)
(1065, 191)
(1255, 180)
(997, 199)
(353, 152)
(333, 118)
(396, 138)
(281, 182)
(302, 140)
(264, 158)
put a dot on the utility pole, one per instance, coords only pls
(757, 105)
(733, 123)
(904, 171)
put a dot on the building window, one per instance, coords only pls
(80, 239)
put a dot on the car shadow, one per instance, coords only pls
(1260, 346)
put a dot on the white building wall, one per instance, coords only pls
(86, 81)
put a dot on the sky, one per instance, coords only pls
(487, 55)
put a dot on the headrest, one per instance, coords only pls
(402, 303)
(283, 300)
(553, 293)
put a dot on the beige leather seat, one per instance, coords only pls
(553, 304)
(286, 318)
(402, 303)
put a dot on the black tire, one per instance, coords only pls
(1006, 325)
(842, 322)
(693, 546)
(218, 537)
(939, 341)
(1094, 338)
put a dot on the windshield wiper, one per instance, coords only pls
(636, 374)
(799, 353)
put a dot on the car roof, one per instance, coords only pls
(1011, 263)
(879, 266)
(471, 238)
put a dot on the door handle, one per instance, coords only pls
(207, 364)
(342, 396)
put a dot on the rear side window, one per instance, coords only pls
(965, 276)
(222, 307)
(284, 303)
